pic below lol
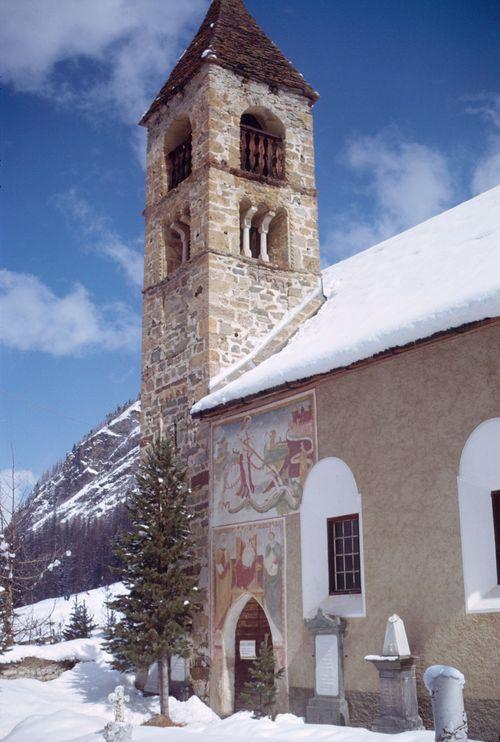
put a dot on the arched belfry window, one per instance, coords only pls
(262, 144)
(178, 151)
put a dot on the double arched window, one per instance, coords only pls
(264, 233)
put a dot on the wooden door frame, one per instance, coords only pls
(257, 632)
(229, 647)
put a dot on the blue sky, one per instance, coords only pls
(408, 125)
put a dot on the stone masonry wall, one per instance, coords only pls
(218, 305)
(247, 300)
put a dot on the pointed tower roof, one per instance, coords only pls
(231, 38)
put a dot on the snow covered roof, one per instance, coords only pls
(439, 275)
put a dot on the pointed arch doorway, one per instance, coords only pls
(251, 631)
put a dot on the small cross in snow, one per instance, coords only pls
(119, 698)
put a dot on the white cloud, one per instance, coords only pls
(33, 317)
(406, 182)
(96, 228)
(133, 45)
(486, 105)
(487, 171)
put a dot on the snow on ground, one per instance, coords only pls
(76, 703)
(82, 650)
(56, 611)
(75, 707)
(441, 274)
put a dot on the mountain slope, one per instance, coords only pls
(95, 476)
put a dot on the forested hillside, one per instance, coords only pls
(74, 512)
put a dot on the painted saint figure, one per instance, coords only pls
(246, 565)
(273, 560)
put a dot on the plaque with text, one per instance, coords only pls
(327, 665)
(247, 649)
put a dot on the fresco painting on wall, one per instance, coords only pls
(248, 559)
(261, 461)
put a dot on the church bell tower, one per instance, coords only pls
(231, 242)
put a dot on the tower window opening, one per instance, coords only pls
(262, 152)
(178, 151)
(254, 229)
(253, 238)
(179, 161)
(255, 242)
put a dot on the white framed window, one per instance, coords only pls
(331, 497)
(478, 483)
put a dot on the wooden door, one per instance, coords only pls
(252, 627)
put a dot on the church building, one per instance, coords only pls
(341, 428)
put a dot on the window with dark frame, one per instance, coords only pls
(344, 564)
(495, 501)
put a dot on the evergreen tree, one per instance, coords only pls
(157, 556)
(80, 624)
(260, 691)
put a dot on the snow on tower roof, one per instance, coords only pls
(438, 275)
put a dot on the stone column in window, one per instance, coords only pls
(263, 231)
(246, 223)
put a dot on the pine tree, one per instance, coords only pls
(260, 691)
(157, 552)
(80, 624)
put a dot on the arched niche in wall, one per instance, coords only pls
(173, 250)
(478, 483)
(277, 240)
(330, 492)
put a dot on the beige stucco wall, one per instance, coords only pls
(401, 424)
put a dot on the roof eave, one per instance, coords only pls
(315, 378)
(306, 92)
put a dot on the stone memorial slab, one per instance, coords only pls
(328, 705)
(327, 665)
